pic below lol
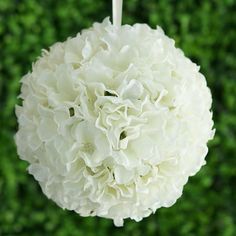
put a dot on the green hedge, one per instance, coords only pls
(205, 30)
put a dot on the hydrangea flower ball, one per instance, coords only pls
(114, 121)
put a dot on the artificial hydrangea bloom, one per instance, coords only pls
(114, 121)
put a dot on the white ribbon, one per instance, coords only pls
(117, 12)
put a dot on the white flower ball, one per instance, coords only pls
(114, 121)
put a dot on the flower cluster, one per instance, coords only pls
(114, 121)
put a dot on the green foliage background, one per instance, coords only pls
(205, 30)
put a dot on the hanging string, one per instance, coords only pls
(117, 12)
